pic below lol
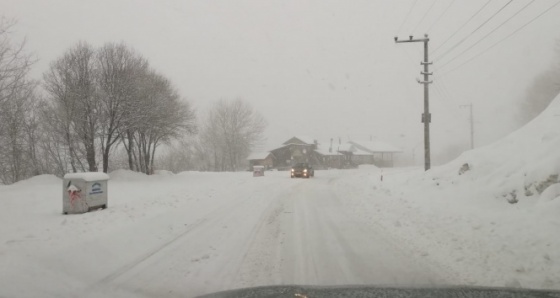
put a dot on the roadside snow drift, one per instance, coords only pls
(519, 167)
(492, 215)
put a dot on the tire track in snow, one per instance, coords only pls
(207, 219)
(329, 245)
(156, 268)
(261, 264)
(126, 268)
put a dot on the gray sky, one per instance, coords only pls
(319, 68)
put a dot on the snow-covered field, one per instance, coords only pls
(496, 224)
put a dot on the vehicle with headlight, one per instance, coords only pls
(304, 170)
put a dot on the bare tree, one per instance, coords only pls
(180, 156)
(52, 145)
(71, 84)
(16, 99)
(232, 129)
(102, 98)
(119, 72)
(157, 116)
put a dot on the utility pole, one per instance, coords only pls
(472, 122)
(426, 116)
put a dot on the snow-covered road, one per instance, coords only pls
(196, 233)
(277, 230)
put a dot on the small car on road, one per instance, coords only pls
(304, 170)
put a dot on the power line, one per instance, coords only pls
(425, 14)
(441, 15)
(470, 34)
(406, 18)
(445, 97)
(443, 87)
(501, 40)
(464, 24)
(481, 39)
(448, 122)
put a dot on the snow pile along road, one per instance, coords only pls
(519, 167)
(492, 216)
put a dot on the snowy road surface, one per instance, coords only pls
(196, 233)
(276, 231)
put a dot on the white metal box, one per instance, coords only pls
(83, 192)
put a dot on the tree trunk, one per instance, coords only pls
(90, 156)
(71, 152)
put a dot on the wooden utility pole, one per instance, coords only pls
(472, 122)
(426, 116)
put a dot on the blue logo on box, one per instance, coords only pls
(96, 189)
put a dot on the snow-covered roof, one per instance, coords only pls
(345, 147)
(281, 147)
(325, 152)
(258, 155)
(304, 139)
(376, 147)
(87, 176)
(358, 151)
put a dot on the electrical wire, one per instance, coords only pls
(443, 86)
(441, 15)
(425, 14)
(481, 39)
(470, 34)
(406, 18)
(501, 40)
(464, 24)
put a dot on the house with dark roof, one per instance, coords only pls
(305, 149)
(294, 150)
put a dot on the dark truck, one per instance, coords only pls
(302, 170)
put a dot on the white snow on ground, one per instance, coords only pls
(466, 223)
(194, 233)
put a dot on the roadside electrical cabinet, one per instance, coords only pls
(83, 192)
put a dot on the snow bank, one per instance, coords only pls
(163, 173)
(549, 194)
(460, 227)
(521, 165)
(368, 167)
(40, 180)
(491, 215)
(126, 175)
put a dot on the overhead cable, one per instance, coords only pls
(441, 15)
(475, 30)
(407, 15)
(464, 24)
(481, 39)
(503, 39)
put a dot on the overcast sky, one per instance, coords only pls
(323, 69)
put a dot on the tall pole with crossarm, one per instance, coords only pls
(426, 116)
